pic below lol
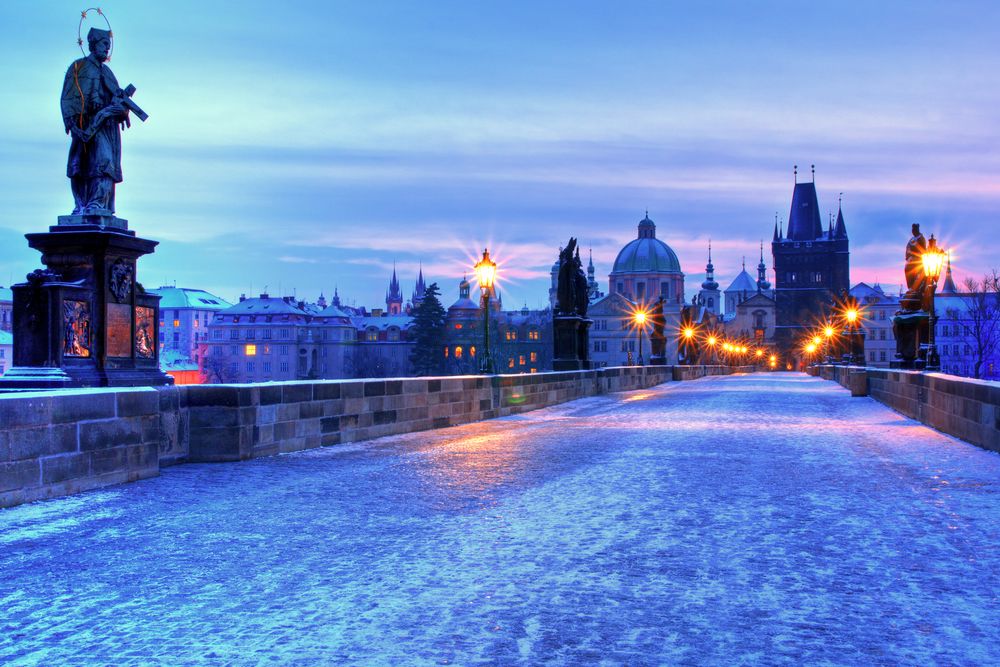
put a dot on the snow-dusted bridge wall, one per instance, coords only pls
(57, 443)
(965, 408)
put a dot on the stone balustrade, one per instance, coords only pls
(57, 443)
(962, 407)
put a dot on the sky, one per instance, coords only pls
(314, 146)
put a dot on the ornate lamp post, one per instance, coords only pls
(689, 341)
(852, 317)
(933, 259)
(486, 273)
(640, 322)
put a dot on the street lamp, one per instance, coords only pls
(639, 317)
(486, 273)
(828, 333)
(933, 259)
(688, 335)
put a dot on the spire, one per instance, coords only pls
(949, 282)
(762, 283)
(710, 283)
(336, 298)
(840, 230)
(781, 228)
(804, 221)
(776, 237)
(394, 296)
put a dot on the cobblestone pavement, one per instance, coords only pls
(745, 519)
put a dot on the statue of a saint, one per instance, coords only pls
(566, 286)
(93, 107)
(914, 269)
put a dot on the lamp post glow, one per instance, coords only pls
(933, 259)
(486, 273)
(640, 322)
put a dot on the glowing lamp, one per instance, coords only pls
(712, 340)
(851, 315)
(774, 359)
(640, 317)
(810, 348)
(486, 271)
(760, 353)
(933, 259)
(828, 331)
(816, 340)
(688, 333)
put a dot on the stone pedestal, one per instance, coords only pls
(910, 329)
(84, 321)
(571, 334)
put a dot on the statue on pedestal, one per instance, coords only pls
(570, 321)
(910, 324)
(94, 108)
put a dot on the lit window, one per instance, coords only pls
(534, 370)
(196, 324)
(534, 356)
(458, 325)
(177, 323)
(472, 351)
(251, 350)
(520, 359)
(371, 335)
(161, 324)
(446, 351)
(458, 351)
(510, 363)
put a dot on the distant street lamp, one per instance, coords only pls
(639, 317)
(688, 337)
(828, 332)
(933, 259)
(486, 273)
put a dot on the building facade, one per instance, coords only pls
(812, 270)
(185, 316)
(6, 351)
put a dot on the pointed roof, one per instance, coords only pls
(710, 282)
(744, 282)
(394, 293)
(804, 223)
(840, 231)
(949, 286)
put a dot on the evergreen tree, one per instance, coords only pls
(428, 332)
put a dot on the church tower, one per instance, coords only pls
(419, 289)
(763, 285)
(394, 297)
(709, 295)
(812, 268)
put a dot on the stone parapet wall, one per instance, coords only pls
(57, 443)
(962, 407)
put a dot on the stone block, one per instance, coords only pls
(4, 446)
(296, 393)
(433, 386)
(56, 469)
(326, 391)
(333, 408)
(110, 460)
(352, 389)
(16, 475)
(329, 425)
(284, 431)
(150, 425)
(267, 414)
(17, 411)
(288, 412)
(440, 422)
(384, 417)
(228, 443)
(83, 406)
(374, 388)
(310, 410)
(328, 439)
(270, 394)
(32, 443)
(393, 387)
(213, 417)
(136, 403)
(142, 457)
(215, 395)
(306, 427)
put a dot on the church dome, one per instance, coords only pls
(647, 253)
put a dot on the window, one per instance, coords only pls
(393, 334)
(881, 355)
(283, 366)
(597, 347)
(283, 349)
(458, 351)
(177, 323)
(871, 355)
(217, 334)
(266, 334)
(511, 334)
(533, 370)
(284, 333)
(533, 334)
(371, 335)
(520, 360)
(665, 290)
(251, 350)
(266, 366)
(458, 325)
(446, 351)
(250, 367)
(533, 356)
(234, 334)
(251, 334)
(177, 336)
(234, 349)
(195, 323)
(510, 363)
(472, 351)
(640, 291)
(881, 334)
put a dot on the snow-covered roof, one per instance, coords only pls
(175, 360)
(742, 283)
(264, 305)
(186, 297)
(383, 323)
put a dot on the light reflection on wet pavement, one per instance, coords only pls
(755, 519)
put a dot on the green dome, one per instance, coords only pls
(647, 253)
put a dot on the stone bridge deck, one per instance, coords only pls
(759, 518)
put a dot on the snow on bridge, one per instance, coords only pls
(744, 518)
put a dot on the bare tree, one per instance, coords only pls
(981, 324)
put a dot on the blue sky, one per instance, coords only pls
(312, 146)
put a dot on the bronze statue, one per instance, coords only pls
(581, 294)
(914, 270)
(93, 107)
(566, 288)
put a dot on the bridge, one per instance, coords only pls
(751, 517)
